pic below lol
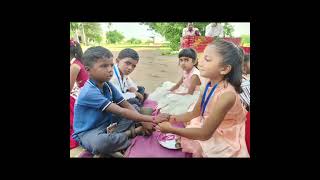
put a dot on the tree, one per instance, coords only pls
(134, 41)
(89, 31)
(93, 32)
(74, 27)
(114, 37)
(245, 39)
(173, 31)
(228, 30)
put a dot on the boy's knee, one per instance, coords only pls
(134, 101)
(141, 90)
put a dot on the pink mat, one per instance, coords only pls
(149, 147)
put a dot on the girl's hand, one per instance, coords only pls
(164, 115)
(164, 127)
(173, 119)
(160, 118)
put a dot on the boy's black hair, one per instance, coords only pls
(233, 56)
(190, 53)
(128, 53)
(92, 54)
(76, 51)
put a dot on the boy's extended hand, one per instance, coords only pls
(149, 127)
(162, 117)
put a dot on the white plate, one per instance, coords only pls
(169, 144)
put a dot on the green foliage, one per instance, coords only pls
(114, 37)
(245, 39)
(134, 41)
(228, 29)
(173, 31)
(93, 32)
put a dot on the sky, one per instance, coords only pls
(140, 31)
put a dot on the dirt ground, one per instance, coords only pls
(154, 68)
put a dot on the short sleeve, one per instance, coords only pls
(94, 99)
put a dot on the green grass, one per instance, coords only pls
(168, 52)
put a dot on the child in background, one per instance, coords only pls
(78, 76)
(217, 127)
(190, 79)
(245, 84)
(178, 98)
(126, 62)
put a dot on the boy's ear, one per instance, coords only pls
(87, 68)
(117, 60)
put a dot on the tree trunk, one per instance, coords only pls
(84, 36)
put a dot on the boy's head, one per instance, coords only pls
(98, 62)
(127, 61)
(187, 58)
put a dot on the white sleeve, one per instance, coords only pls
(116, 84)
(129, 95)
(131, 84)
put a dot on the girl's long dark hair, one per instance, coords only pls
(231, 55)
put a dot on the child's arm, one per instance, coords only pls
(214, 119)
(131, 114)
(177, 85)
(127, 105)
(138, 95)
(133, 88)
(74, 71)
(195, 81)
(148, 126)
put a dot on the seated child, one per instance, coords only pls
(176, 99)
(245, 84)
(78, 76)
(126, 62)
(98, 126)
(217, 127)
